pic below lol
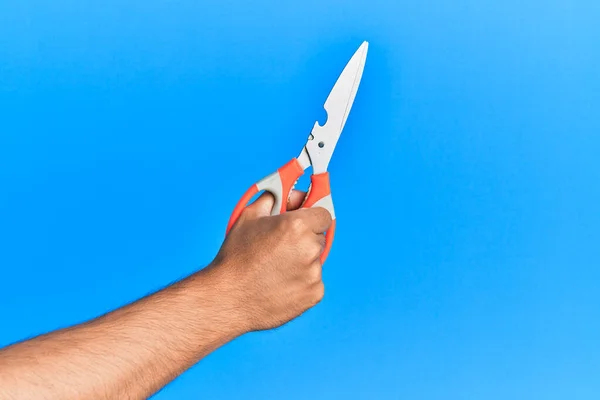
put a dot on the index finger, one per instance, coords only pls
(318, 218)
(295, 200)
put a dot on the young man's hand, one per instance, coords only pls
(270, 264)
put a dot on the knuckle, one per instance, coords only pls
(311, 250)
(285, 223)
(298, 225)
(322, 241)
(327, 215)
(319, 292)
(315, 250)
(314, 274)
(323, 213)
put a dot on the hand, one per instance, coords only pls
(266, 273)
(271, 263)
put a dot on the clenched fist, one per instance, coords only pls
(271, 263)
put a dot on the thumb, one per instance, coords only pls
(262, 206)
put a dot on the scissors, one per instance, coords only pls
(316, 153)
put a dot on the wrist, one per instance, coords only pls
(218, 297)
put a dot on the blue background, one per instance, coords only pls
(466, 183)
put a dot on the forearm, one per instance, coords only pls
(129, 353)
(267, 272)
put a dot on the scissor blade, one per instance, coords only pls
(339, 102)
(338, 105)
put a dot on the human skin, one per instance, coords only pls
(266, 273)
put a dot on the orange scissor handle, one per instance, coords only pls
(319, 195)
(280, 185)
(240, 206)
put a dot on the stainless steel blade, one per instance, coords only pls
(323, 139)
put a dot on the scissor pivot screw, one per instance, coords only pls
(321, 144)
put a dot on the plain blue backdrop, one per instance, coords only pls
(467, 258)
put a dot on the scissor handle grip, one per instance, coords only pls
(240, 206)
(280, 184)
(319, 195)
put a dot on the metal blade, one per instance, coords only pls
(323, 139)
(342, 95)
